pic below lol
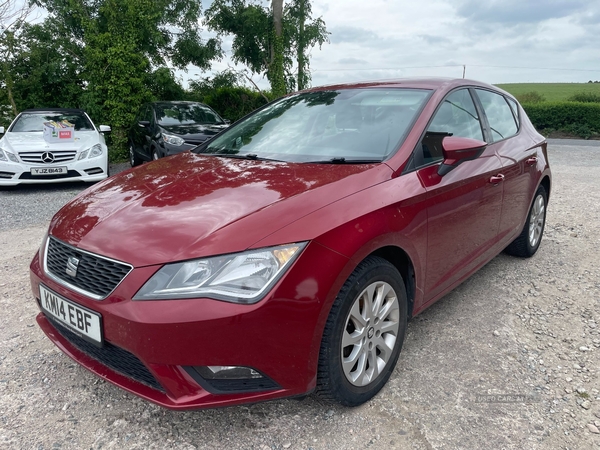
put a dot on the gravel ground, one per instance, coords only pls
(510, 359)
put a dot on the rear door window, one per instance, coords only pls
(499, 115)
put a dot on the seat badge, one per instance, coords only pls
(72, 264)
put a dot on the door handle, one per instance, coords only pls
(531, 161)
(497, 179)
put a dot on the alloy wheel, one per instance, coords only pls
(536, 220)
(370, 333)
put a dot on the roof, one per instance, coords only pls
(414, 83)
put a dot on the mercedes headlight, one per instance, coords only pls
(5, 155)
(173, 140)
(239, 277)
(95, 151)
(91, 152)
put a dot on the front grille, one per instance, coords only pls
(95, 275)
(110, 355)
(62, 156)
(6, 174)
(195, 142)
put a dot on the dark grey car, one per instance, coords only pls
(165, 128)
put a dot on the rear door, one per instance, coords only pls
(518, 159)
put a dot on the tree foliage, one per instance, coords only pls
(199, 89)
(13, 16)
(256, 43)
(124, 49)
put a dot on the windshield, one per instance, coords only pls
(28, 122)
(345, 125)
(186, 114)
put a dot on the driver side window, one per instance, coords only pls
(457, 116)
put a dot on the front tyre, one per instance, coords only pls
(363, 334)
(527, 243)
(134, 159)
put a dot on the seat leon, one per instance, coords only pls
(286, 255)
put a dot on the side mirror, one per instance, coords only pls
(227, 121)
(1, 130)
(457, 150)
(105, 129)
(144, 123)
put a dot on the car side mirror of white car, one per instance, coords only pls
(1, 130)
(105, 129)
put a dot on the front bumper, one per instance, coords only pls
(278, 336)
(89, 170)
(169, 149)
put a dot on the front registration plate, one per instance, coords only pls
(80, 320)
(48, 170)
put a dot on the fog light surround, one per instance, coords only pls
(227, 372)
(230, 379)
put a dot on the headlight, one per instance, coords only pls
(238, 277)
(93, 151)
(173, 140)
(5, 155)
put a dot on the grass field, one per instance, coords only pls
(551, 91)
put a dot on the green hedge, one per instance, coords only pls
(233, 103)
(578, 118)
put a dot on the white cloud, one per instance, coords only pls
(499, 41)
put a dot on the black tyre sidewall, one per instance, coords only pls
(341, 389)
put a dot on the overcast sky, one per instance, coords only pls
(506, 41)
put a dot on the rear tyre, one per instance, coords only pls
(363, 334)
(134, 159)
(527, 243)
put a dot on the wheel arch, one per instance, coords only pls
(401, 261)
(546, 184)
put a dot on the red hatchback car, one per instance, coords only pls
(286, 255)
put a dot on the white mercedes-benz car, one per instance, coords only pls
(30, 153)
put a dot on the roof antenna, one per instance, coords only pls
(464, 70)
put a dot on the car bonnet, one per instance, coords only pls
(34, 140)
(190, 206)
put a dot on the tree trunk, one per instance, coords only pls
(275, 72)
(277, 6)
(301, 46)
(9, 86)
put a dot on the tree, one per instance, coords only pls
(13, 15)
(123, 43)
(304, 33)
(276, 68)
(258, 43)
(46, 69)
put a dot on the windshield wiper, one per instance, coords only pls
(250, 156)
(342, 160)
